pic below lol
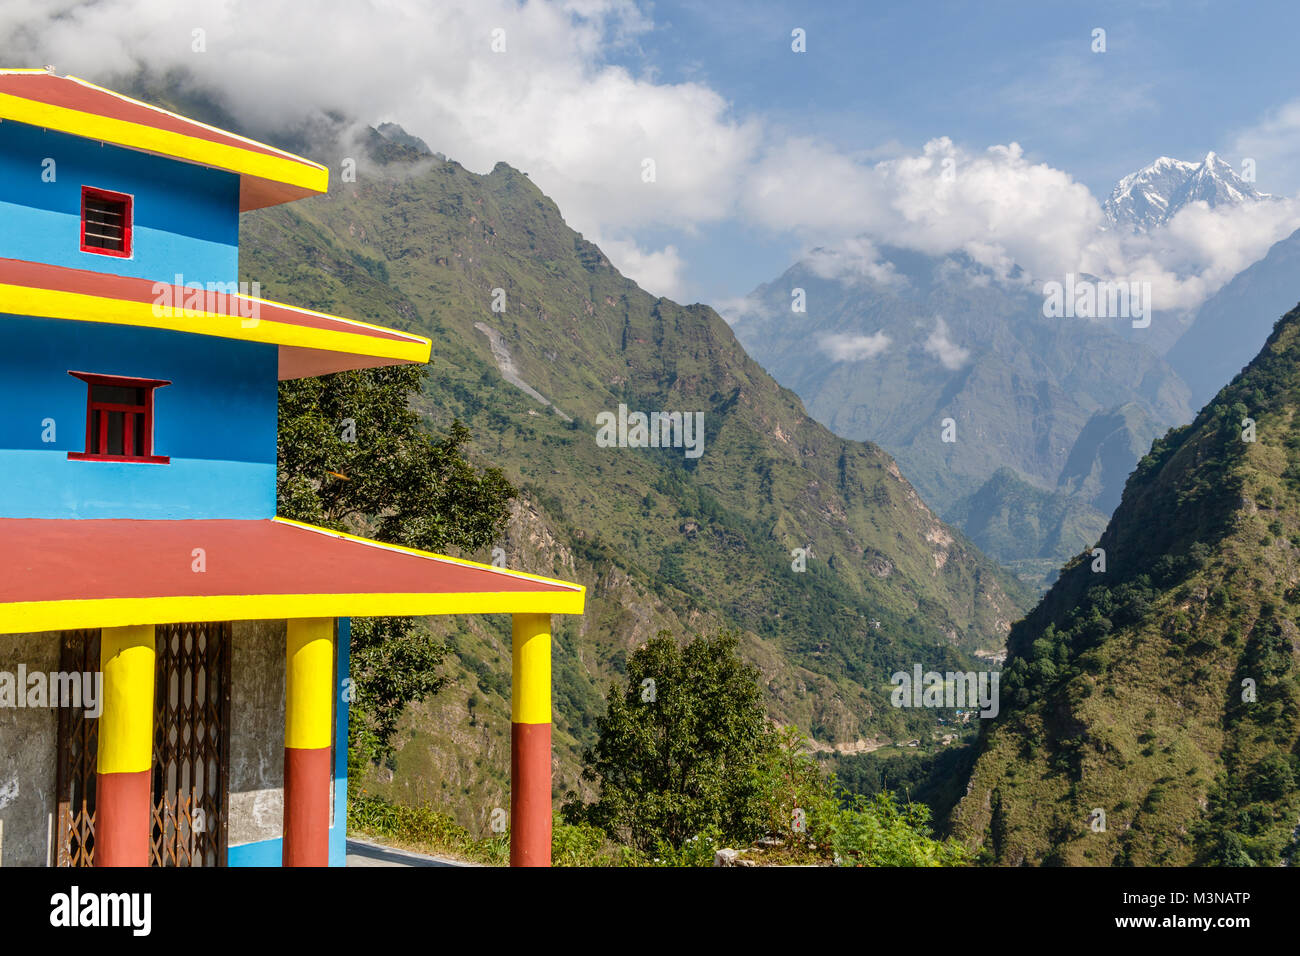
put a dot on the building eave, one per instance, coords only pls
(311, 343)
(268, 176)
(115, 573)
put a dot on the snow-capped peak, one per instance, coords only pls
(1153, 195)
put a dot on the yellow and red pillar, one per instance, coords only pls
(125, 759)
(530, 741)
(308, 729)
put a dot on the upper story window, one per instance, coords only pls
(106, 222)
(119, 419)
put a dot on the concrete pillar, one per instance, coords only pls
(308, 722)
(530, 741)
(123, 779)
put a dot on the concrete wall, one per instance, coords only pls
(257, 746)
(28, 757)
(256, 732)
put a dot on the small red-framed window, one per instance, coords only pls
(119, 419)
(106, 222)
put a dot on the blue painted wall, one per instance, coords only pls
(261, 853)
(186, 217)
(342, 701)
(217, 422)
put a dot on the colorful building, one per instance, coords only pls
(139, 542)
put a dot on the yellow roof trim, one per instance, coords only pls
(283, 167)
(21, 617)
(32, 616)
(80, 307)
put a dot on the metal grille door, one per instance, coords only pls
(191, 745)
(78, 752)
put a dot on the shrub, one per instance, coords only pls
(880, 832)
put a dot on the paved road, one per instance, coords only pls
(364, 853)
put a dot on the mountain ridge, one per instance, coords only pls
(1228, 326)
(1151, 196)
(1151, 705)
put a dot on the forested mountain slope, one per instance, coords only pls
(1151, 710)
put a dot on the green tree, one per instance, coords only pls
(353, 457)
(681, 747)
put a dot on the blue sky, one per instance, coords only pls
(1176, 79)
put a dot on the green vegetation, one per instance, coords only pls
(679, 747)
(686, 764)
(353, 454)
(353, 457)
(427, 829)
(866, 832)
(424, 828)
(1164, 690)
(879, 832)
(935, 778)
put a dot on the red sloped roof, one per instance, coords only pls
(64, 574)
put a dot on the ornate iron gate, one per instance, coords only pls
(191, 750)
(191, 753)
(78, 746)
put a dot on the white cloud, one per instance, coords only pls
(950, 355)
(853, 348)
(1003, 211)
(853, 260)
(660, 271)
(1196, 253)
(736, 309)
(1274, 144)
(548, 105)
(994, 205)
